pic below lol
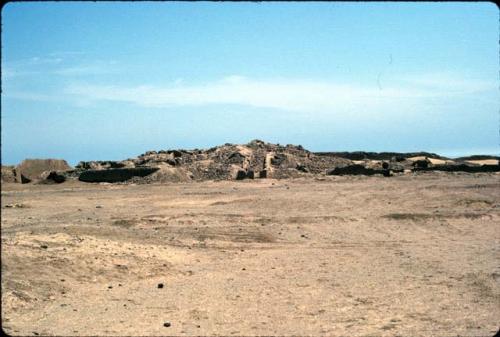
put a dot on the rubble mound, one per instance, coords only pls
(32, 169)
(254, 160)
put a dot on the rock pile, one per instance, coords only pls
(255, 160)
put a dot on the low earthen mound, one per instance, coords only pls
(31, 169)
(483, 162)
(395, 156)
(254, 160)
(478, 157)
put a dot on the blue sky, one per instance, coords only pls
(98, 81)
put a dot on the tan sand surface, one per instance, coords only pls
(483, 162)
(435, 161)
(417, 158)
(411, 255)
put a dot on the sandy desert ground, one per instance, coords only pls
(412, 255)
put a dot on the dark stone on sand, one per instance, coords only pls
(396, 167)
(357, 169)
(115, 175)
(239, 174)
(302, 168)
(50, 177)
(235, 158)
(175, 153)
(160, 285)
(354, 169)
(421, 164)
(278, 159)
(23, 179)
(167, 324)
(461, 168)
(398, 158)
(115, 164)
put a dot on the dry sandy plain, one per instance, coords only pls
(413, 255)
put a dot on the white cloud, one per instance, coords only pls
(291, 95)
(449, 83)
(32, 62)
(31, 96)
(58, 66)
(67, 53)
(85, 69)
(39, 60)
(409, 94)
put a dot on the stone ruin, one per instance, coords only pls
(255, 160)
(36, 170)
